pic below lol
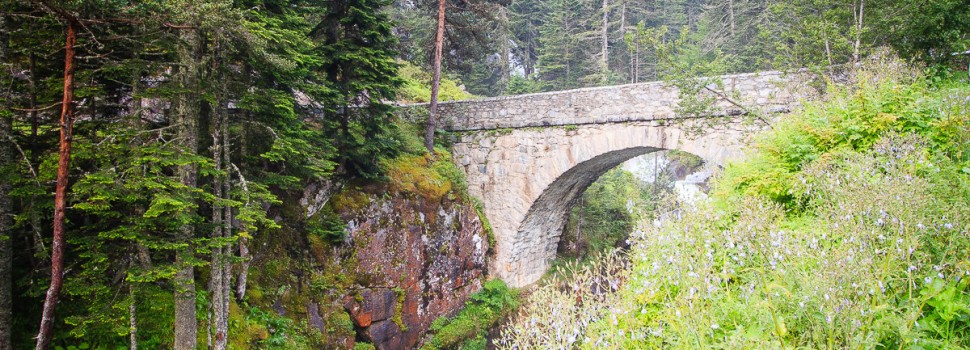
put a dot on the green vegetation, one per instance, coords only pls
(468, 329)
(603, 217)
(847, 228)
(417, 86)
(611, 207)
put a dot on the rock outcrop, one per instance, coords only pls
(424, 259)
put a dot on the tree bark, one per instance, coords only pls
(132, 307)
(186, 116)
(604, 38)
(860, 14)
(7, 159)
(435, 80)
(60, 191)
(219, 280)
(244, 254)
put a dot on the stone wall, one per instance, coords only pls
(610, 104)
(528, 178)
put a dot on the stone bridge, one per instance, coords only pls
(530, 157)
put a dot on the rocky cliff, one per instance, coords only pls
(371, 263)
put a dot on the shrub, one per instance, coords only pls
(468, 329)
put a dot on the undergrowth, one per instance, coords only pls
(848, 227)
(468, 329)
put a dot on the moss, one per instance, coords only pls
(486, 225)
(398, 317)
(350, 199)
(417, 175)
(364, 346)
(340, 323)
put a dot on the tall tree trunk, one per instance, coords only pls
(623, 33)
(435, 80)
(636, 59)
(859, 15)
(187, 117)
(33, 144)
(227, 225)
(243, 240)
(216, 257)
(219, 279)
(731, 16)
(60, 191)
(506, 31)
(7, 159)
(604, 38)
(132, 307)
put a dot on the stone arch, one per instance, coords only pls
(528, 177)
(545, 220)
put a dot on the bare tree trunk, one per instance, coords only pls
(859, 15)
(60, 191)
(220, 285)
(604, 46)
(243, 240)
(579, 224)
(435, 80)
(506, 73)
(636, 59)
(731, 15)
(35, 219)
(217, 260)
(7, 159)
(132, 318)
(186, 116)
(622, 30)
(226, 289)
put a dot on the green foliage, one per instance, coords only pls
(484, 310)
(327, 225)
(853, 119)
(602, 219)
(519, 85)
(364, 346)
(417, 86)
(259, 329)
(418, 175)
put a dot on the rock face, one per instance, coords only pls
(422, 260)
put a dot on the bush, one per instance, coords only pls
(469, 328)
(417, 86)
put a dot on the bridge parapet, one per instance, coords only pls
(609, 104)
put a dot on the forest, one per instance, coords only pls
(151, 150)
